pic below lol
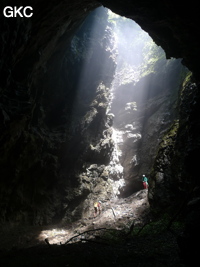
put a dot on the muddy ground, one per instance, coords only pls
(122, 235)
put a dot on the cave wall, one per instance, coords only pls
(173, 179)
(32, 90)
(56, 127)
(174, 184)
(144, 111)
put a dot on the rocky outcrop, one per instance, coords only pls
(144, 111)
(54, 126)
(162, 184)
(171, 178)
(174, 187)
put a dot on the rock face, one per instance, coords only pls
(173, 184)
(145, 101)
(148, 108)
(172, 165)
(53, 129)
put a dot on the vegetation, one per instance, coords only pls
(138, 55)
(187, 79)
(170, 136)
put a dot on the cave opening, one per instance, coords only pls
(128, 93)
(73, 132)
(126, 99)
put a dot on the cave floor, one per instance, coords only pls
(107, 240)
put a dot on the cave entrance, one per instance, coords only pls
(138, 61)
(121, 99)
(124, 77)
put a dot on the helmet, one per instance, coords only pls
(99, 201)
(143, 175)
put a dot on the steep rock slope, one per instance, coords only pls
(49, 131)
(144, 110)
(174, 183)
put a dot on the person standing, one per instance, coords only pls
(145, 182)
(97, 208)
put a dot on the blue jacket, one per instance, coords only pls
(145, 179)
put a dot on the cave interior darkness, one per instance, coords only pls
(50, 151)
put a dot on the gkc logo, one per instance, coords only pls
(10, 12)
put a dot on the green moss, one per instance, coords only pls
(158, 226)
(187, 79)
(170, 136)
